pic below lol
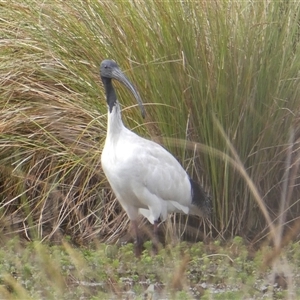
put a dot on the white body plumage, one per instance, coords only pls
(145, 177)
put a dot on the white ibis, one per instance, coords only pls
(144, 176)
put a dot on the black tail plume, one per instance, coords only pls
(200, 199)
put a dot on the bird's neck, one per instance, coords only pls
(114, 121)
(111, 97)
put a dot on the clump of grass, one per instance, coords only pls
(195, 64)
(51, 134)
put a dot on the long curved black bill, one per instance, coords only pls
(119, 75)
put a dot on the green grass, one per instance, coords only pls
(182, 271)
(220, 82)
(195, 65)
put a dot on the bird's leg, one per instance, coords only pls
(155, 240)
(138, 239)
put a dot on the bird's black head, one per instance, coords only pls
(110, 70)
(106, 68)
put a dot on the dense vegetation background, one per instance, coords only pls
(220, 81)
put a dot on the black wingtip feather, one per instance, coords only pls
(200, 199)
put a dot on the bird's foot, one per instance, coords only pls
(138, 247)
(155, 239)
(155, 245)
(155, 248)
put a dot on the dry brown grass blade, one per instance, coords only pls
(289, 236)
(178, 279)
